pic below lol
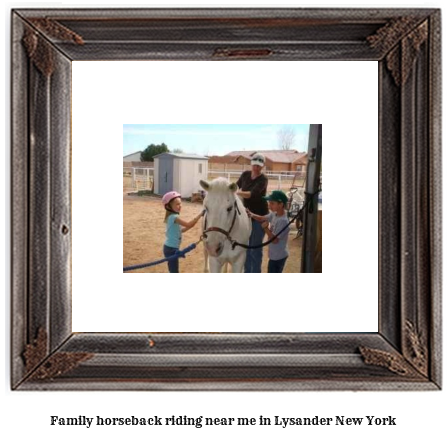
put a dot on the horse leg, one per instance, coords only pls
(237, 267)
(206, 267)
(215, 265)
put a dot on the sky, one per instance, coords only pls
(209, 139)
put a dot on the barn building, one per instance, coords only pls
(134, 156)
(179, 172)
(275, 161)
(134, 160)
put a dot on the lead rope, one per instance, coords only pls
(177, 255)
(234, 243)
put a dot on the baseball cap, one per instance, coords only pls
(278, 196)
(258, 160)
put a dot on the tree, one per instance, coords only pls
(178, 151)
(152, 150)
(286, 137)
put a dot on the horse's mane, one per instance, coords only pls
(220, 185)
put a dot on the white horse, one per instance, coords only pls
(225, 219)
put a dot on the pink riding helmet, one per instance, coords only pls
(168, 197)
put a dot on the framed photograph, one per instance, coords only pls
(190, 180)
(50, 352)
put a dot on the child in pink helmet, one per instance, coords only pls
(172, 202)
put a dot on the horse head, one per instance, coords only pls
(221, 205)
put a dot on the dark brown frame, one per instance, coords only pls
(405, 354)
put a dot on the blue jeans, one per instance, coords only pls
(253, 261)
(276, 266)
(172, 264)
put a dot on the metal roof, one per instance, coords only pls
(186, 156)
(133, 153)
(277, 156)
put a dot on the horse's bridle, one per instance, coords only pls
(220, 230)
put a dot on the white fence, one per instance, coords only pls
(277, 180)
(139, 178)
(142, 178)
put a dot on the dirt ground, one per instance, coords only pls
(144, 235)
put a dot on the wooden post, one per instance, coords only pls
(310, 217)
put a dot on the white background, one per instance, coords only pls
(338, 300)
(418, 414)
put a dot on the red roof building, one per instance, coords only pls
(275, 160)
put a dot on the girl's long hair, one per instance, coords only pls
(168, 210)
(167, 214)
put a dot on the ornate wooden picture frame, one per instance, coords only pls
(405, 353)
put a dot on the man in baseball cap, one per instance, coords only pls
(252, 188)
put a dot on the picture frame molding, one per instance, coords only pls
(405, 353)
